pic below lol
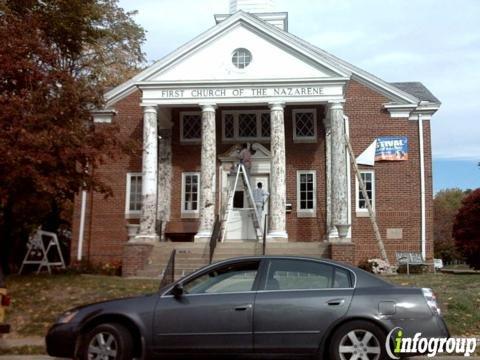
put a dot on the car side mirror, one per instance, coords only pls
(177, 290)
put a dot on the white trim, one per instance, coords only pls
(189, 141)
(359, 211)
(422, 189)
(307, 212)
(304, 139)
(190, 214)
(349, 178)
(103, 116)
(81, 229)
(131, 214)
(236, 138)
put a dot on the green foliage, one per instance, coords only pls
(446, 204)
(466, 229)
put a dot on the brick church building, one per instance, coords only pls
(248, 80)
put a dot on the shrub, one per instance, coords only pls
(466, 229)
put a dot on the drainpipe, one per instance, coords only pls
(81, 231)
(422, 188)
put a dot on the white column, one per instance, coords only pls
(149, 176)
(339, 170)
(328, 173)
(208, 173)
(164, 167)
(278, 193)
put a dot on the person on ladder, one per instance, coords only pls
(260, 197)
(245, 155)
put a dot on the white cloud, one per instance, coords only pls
(395, 58)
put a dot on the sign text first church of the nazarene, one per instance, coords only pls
(248, 80)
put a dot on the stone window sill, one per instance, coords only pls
(306, 214)
(192, 215)
(133, 215)
(362, 214)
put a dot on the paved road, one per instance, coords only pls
(40, 357)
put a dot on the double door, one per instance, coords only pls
(240, 223)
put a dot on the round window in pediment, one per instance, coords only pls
(241, 58)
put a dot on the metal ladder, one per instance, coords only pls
(242, 173)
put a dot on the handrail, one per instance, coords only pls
(169, 273)
(214, 237)
(264, 238)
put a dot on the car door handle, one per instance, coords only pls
(335, 302)
(243, 307)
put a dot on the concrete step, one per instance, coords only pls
(192, 256)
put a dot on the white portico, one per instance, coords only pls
(231, 65)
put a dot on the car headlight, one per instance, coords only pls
(67, 317)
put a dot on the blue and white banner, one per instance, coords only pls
(391, 148)
(385, 148)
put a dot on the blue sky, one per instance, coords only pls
(436, 42)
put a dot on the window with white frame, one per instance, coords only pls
(368, 178)
(246, 125)
(190, 126)
(241, 58)
(304, 125)
(133, 203)
(190, 194)
(306, 193)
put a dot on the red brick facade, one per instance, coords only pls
(397, 184)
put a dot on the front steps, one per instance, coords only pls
(191, 256)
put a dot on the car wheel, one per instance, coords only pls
(107, 342)
(358, 340)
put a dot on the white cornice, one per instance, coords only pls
(245, 82)
(103, 116)
(411, 111)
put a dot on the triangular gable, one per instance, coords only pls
(271, 60)
(320, 60)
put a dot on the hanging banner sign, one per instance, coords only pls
(391, 148)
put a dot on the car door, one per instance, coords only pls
(215, 313)
(296, 302)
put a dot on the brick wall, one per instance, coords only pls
(105, 225)
(397, 183)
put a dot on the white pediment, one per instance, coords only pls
(271, 60)
(232, 154)
(278, 59)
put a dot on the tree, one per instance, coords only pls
(445, 207)
(54, 65)
(466, 229)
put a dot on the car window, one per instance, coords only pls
(342, 278)
(227, 279)
(286, 274)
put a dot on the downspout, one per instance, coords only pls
(81, 231)
(422, 188)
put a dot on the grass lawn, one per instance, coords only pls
(458, 295)
(38, 300)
